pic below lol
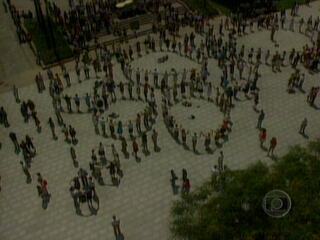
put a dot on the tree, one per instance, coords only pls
(39, 14)
(235, 211)
(41, 22)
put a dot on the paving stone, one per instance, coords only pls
(144, 197)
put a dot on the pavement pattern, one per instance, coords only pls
(144, 197)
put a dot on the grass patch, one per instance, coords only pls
(208, 9)
(48, 55)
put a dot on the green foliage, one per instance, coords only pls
(236, 212)
(206, 7)
(285, 4)
(314, 147)
(135, 25)
(48, 55)
(281, 4)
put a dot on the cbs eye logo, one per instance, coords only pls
(276, 203)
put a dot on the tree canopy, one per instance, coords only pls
(231, 207)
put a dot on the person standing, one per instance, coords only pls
(83, 176)
(112, 172)
(77, 102)
(75, 196)
(155, 140)
(66, 77)
(262, 137)
(138, 123)
(26, 171)
(144, 139)
(184, 174)
(89, 196)
(156, 78)
(273, 144)
(103, 126)
(30, 145)
(16, 94)
(45, 195)
(220, 162)
(303, 126)
(130, 129)
(194, 142)
(120, 129)
(36, 121)
(135, 148)
(78, 72)
(73, 133)
(130, 87)
(124, 145)
(186, 186)
(13, 138)
(86, 71)
(73, 155)
(116, 226)
(173, 182)
(66, 133)
(59, 117)
(88, 101)
(4, 118)
(68, 102)
(260, 119)
(52, 127)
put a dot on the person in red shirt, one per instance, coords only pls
(186, 186)
(262, 137)
(273, 144)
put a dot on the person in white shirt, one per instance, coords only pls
(215, 172)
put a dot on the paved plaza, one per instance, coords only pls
(144, 197)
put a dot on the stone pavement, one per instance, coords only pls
(144, 197)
